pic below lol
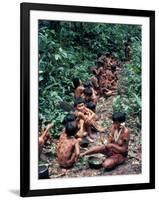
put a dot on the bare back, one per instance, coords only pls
(66, 151)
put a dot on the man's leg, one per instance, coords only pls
(90, 136)
(94, 150)
(113, 161)
(80, 133)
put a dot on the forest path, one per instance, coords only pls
(81, 168)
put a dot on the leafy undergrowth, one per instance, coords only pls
(67, 50)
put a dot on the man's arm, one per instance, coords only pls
(77, 148)
(79, 114)
(94, 150)
(116, 148)
(81, 128)
(91, 114)
(124, 144)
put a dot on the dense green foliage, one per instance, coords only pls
(129, 98)
(68, 49)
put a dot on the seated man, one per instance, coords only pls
(78, 88)
(116, 145)
(68, 148)
(89, 96)
(110, 81)
(104, 87)
(98, 72)
(79, 123)
(88, 116)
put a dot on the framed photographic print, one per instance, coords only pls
(87, 99)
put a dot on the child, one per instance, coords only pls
(97, 71)
(116, 145)
(68, 149)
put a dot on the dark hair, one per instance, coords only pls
(99, 55)
(113, 67)
(78, 101)
(107, 55)
(91, 105)
(69, 118)
(119, 117)
(129, 40)
(88, 91)
(76, 82)
(100, 63)
(94, 73)
(71, 128)
(126, 43)
(87, 84)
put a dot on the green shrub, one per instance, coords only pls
(67, 50)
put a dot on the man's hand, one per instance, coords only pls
(109, 145)
(87, 120)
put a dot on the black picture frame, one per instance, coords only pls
(25, 9)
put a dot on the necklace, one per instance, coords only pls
(117, 134)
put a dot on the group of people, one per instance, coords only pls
(105, 75)
(80, 123)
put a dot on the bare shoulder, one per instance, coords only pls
(126, 132)
(75, 141)
(81, 87)
(77, 113)
(62, 136)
